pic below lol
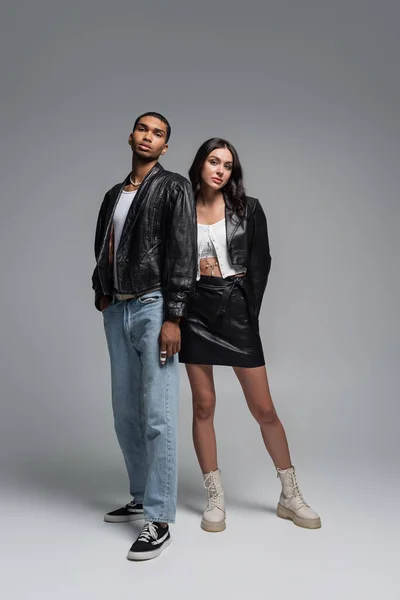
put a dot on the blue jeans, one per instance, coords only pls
(145, 402)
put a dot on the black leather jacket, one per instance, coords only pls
(158, 242)
(248, 245)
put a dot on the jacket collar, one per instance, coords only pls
(236, 234)
(156, 169)
(232, 220)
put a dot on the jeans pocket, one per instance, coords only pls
(106, 308)
(151, 299)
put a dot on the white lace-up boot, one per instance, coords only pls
(214, 515)
(292, 504)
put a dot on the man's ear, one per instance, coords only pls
(164, 150)
(130, 139)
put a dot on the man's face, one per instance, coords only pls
(148, 140)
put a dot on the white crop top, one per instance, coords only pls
(211, 240)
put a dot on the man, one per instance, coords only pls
(145, 250)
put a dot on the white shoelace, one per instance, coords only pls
(296, 489)
(148, 531)
(214, 493)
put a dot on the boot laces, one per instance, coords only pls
(148, 531)
(214, 492)
(296, 489)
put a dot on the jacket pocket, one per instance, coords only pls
(145, 256)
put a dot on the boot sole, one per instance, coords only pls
(286, 513)
(213, 527)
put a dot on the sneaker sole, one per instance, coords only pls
(213, 527)
(286, 513)
(150, 554)
(124, 519)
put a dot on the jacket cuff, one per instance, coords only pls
(175, 309)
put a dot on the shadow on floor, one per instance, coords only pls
(101, 488)
(93, 486)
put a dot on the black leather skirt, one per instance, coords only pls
(221, 327)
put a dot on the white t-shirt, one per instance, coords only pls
(120, 213)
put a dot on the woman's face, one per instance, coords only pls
(217, 168)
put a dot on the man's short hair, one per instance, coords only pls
(157, 116)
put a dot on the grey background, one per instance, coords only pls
(308, 92)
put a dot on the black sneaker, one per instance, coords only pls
(130, 512)
(151, 542)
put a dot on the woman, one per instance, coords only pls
(221, 327)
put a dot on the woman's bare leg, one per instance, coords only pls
(255, 386)
(203, 393)
(202, 383)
